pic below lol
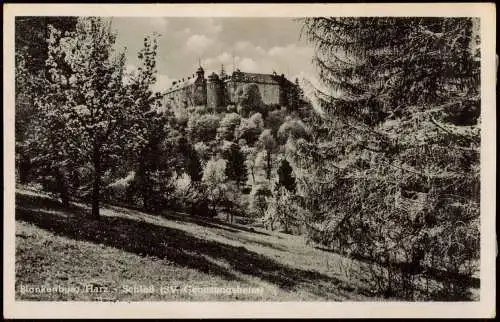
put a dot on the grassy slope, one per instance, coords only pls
(126, 248)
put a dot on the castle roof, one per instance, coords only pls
(257, 78)
(238, 76)
(181, 84)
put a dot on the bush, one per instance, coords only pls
(258, 200)
(228, 126)
(249, 99)
(203, 128)
(294, 128)
(248, 131)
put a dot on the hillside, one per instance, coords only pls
(127, 248)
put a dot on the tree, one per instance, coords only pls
(31, 50)
(202, 151)
(274, 120)
(256, 120)
(231, 200)
(86, 89)
(249, 131)
(399, 130)
(191, 161)
(31, 34)
(294, 128)
(281, 210)
(214, 177)
(285, 176)
(268, 144)
(202, 128)
(227, 126)
(250, 154)
(236, 168)
(258, 200)
(248, 99)
(148, 129)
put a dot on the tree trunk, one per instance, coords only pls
(97, 184)
(268, 170)
(62, 188)
(24, 168)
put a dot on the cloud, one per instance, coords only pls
(198, 43)
(162, 83)
(214, 63)
(291, 49)
(210, 26)
(248, 65)
(158, 22)
(248, 48)
(242, 45)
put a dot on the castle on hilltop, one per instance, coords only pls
(223, 89)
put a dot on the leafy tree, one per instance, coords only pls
(147, 129)
(285, 176)
(191, 161)
(31, 50)
(268, 144)
(274, 120)
(228, 126)
(202, 150)
(399, 136)
(294, 128)
(86, 89)
(281, 210)
(248, 99)
(260, 164)
(214, 177)
(236, 168)
(231, 201)
(31, 34)
(248, 131)
(202, 128)
(250, 154)
(258, 200)
(257, 120)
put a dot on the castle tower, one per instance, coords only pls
(200, 73)
(214, 92)
(223, 74)
(200, 87)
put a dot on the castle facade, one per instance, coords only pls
(220, 90)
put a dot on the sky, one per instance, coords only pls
(260, 45)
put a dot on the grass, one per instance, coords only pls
(126, 248)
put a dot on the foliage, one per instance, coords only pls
(202, 150)
(258, 200)
(214, 178)
(31, 35)
(85, 90)
(281, 210)
(228, 126)
(294, 128)
(401, 155)
(248, 130)
(250, 155)
(285, 176)
(31, 51)
(257, 120)
(274, 120)
(202, 128)
(268, 144)
(236, 168)
(248, 99)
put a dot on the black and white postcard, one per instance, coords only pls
(249, 160)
